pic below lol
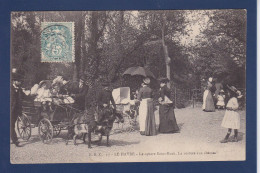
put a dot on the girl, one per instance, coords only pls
(231, 118)
(44, 95)
(221, 100)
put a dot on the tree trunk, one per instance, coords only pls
(166, 55)
(78, 42)
(118, 47)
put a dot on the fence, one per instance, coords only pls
(184, 97)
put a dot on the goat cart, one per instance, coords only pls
(50, 119)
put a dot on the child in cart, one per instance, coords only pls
(231, 118)
(43, 95)
(59, 91)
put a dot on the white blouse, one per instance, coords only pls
(233, 103)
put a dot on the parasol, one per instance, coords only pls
(141, 71)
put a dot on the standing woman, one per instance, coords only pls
(146, 110)
(208, 103)
(168, 122)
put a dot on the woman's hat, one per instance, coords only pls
(146, 80)
(42, 83)
(46, 82)
(237, 92)
(221, 91)
(163, 79)
(16, 74)
(58, 79)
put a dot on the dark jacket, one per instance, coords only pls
(165, 91)
(16, 99)
(104, 97)
(80, 96)
(218, 87)
(145, 92)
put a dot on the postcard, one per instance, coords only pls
(128, 86)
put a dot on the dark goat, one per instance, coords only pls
(102, 127)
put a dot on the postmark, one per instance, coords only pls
(57, 42)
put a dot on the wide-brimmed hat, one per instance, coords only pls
(46, 82)
(42, 83)
(146, 80)
(239, 94)
(163, 80)
(235, 90)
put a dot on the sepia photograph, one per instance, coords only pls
(128, 86)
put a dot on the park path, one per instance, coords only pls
(198, 140)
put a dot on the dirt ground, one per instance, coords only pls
(198, 140)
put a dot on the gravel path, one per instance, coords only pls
(198, 140)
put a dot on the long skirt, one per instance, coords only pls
(231, 120)
(147, 117)
(168, 123)
(208, 103)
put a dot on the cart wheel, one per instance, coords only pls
(56, 130)
(45, 130)
(24, 127)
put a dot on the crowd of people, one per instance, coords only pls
(229, 102)
(58, 91)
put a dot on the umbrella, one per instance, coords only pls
(142, 71)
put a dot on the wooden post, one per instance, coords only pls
(193, 98)
(175, 97)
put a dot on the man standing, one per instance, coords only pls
(80, 94)
(104, 99)
(16, 104)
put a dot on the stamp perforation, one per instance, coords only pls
(44, 25)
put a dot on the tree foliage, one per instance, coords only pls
(201, 44)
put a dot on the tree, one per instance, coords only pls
(220, 48)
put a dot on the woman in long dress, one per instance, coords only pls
(146, 110)
(208, 102)
(168, 122)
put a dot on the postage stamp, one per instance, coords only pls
(57, 42)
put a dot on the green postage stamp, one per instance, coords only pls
(57, 42)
